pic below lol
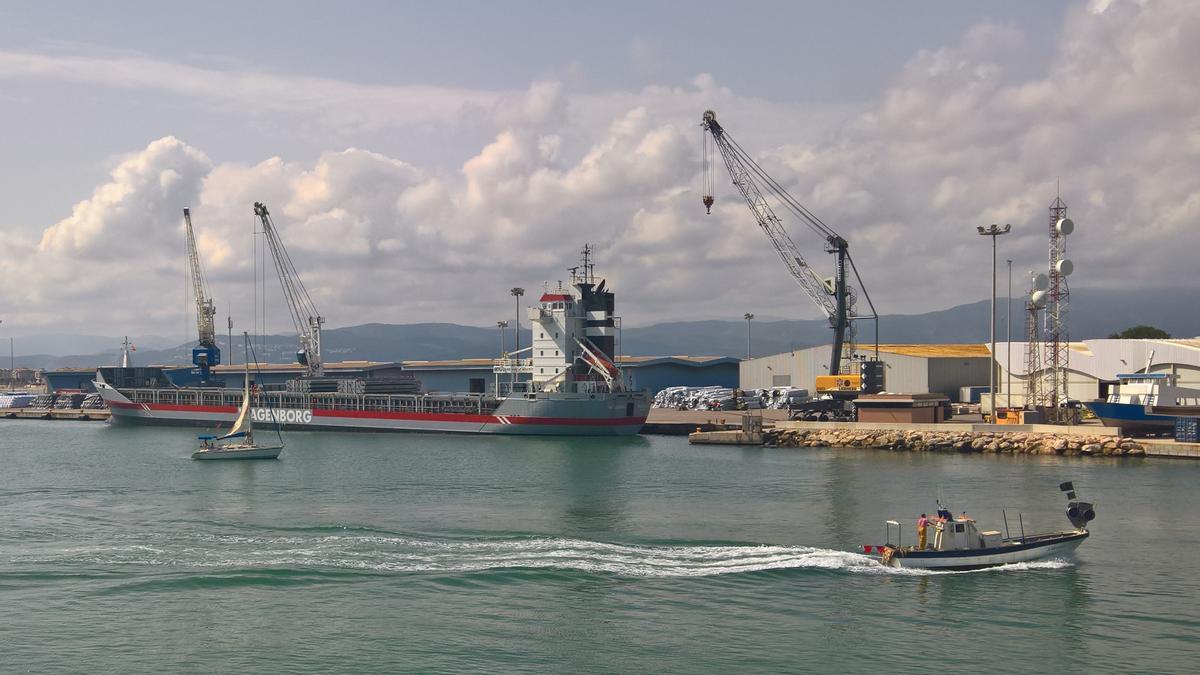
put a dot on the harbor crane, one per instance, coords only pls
(833, 296)
(206, 354)
(304, 313)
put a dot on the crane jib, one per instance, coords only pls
(834, 299)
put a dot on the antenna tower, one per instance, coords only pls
(1057, 301)
(1036, 299)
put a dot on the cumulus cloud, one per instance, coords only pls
(958, 139)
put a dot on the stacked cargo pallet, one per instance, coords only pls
(1187, 429)
(313, 385)
(380, 385)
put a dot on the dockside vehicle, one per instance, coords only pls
(566, 383)
(958, 543)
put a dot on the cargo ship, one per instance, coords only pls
(566, 383)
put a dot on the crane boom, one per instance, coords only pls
(834, 300)
(305, 316)
(207, 354)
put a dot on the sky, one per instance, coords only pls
(420, 159)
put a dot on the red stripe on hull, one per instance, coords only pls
(400, 416)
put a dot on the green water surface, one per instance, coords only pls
(428, 553)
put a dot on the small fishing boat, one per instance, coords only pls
(241, 443)
(958, 543)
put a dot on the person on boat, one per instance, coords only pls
(944, 514)
(922, 526)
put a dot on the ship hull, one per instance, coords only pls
(615, 414)
(1036, 548)
(1130, 417)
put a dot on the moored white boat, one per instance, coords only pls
(243, 430)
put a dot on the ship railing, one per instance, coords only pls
(421, 403)
(507, 366)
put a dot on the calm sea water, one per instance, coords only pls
(366, 552)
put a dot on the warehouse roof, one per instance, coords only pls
(951, 351)
(288, 367)
(631, 361)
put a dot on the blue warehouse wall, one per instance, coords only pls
(659, 376)
(451, 380)
(70, 380)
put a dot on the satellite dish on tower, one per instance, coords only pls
(1038, 299)
(1041, 282)
(1064, 267)
(1064, 226)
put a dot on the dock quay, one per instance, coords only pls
(962, 438)
(95, 414)
(668, 422)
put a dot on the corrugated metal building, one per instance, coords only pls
(71, 379)
(459, 375)
(1093, 365)
(650, 372)
(911, 369)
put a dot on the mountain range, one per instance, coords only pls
(1094, 313)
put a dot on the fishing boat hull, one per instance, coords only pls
(1131, 417)
(543, 414)
(1009, 552)
(235, 452)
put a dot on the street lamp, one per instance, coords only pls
(12, 360)
(747, 316)
(993, 231)
(517, 292)
(501, 325)
(1008, 322)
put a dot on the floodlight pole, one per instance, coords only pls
(1008, 323)
(748, 317)
(993, 231)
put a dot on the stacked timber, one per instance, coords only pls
(403, 384)
(313, 385)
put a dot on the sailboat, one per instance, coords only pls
(242, 445)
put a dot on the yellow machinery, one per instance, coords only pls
(828, 384)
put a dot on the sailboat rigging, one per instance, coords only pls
(240, 437)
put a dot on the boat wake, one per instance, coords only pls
(380, 553)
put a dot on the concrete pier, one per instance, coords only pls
(55, 414)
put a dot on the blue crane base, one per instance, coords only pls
(205, 358)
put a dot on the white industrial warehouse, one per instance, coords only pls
(1092, 370)
(910, 368)
(1093, 365)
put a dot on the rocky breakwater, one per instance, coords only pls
(997, 442)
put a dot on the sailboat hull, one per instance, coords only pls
(235, 452)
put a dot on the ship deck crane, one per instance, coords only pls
(206, 354)
(834, 297)
(304, 313)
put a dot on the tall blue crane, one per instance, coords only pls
(206, 354)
